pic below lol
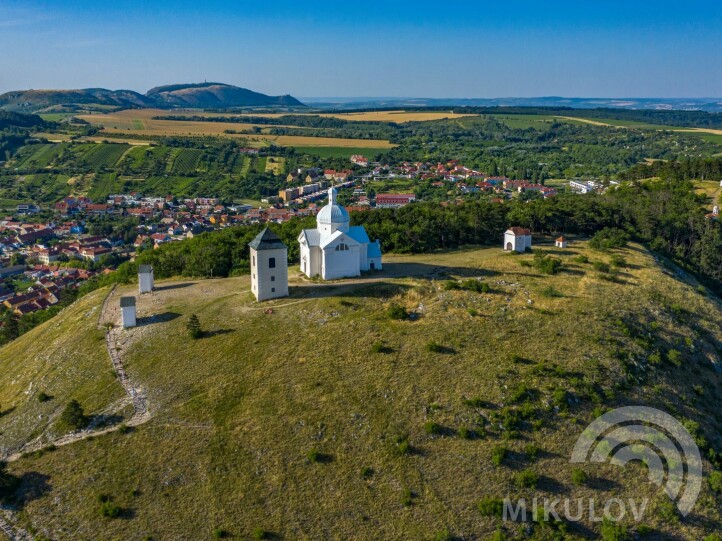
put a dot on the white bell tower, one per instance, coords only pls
(269, 266)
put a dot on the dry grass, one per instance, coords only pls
(712, 190)
(237, 412)
(275, 164)
(585, 120)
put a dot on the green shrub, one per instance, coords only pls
(107, 508)
(675, 357)
(396, 311)
(466, 433)
(715, 481)
(532, 451)
(581, 259)
(407, 498)
(579, 477)
(498, 454)
(433, 428)
(473, 312)
(259, 534)
(193, 326)
(491, 507)
(547, 264)
(522, 393)
(713, 537)
(443, 535)
(367, 472)
(667, 511)
(403, 446)
(434, 347)
(498, 535)
(475, 403)
(551, 292)
(43, 397)
(614, 531)
(313, 455)
(379, 347)
(475, 285)
(526, 479)
(451, 285)
(608, 238)
(73, 416)
(560, 398)
(618, 261)
(220, 533)
(600, 266)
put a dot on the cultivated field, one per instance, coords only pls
(319, 417)
(134, 122)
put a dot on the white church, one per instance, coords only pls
(334, 249)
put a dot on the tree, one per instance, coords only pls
(194, 327)
(12, 327)
(73, 416)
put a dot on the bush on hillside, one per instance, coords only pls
(608, 238)
(491, 507)
(194, 327)
(526, 479)
(73, 416)
(396, 311)
(546, 264)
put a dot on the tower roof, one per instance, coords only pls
(266, 240)
(126, 302)
(333, 213)
(145, 269)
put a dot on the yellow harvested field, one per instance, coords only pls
(585, 120)
(701, 130)
(301, 141)
(380, 116)
(140, 122)
(54, 137)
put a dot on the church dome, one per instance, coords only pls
(332, 213)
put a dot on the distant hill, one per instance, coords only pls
(215, 96)
(203, 95)
(37, 100)
(653, 104)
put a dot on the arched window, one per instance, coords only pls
(341, 247)
(271, 262)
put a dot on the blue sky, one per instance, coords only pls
(370, 48)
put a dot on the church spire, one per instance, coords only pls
(332, 192)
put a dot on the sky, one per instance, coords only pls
(449, 49)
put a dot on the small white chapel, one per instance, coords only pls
(334, 249)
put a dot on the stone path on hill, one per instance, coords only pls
(135, 396)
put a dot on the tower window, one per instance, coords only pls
(273, 278)
(271, 262)
(341, 247)
(254, 261)
(273, 290)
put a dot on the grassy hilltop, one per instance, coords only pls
(321, 417)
